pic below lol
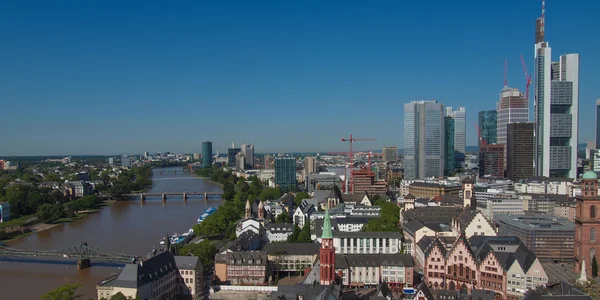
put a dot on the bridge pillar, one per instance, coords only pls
(164, 196)
(184, 196)
(142, 197)
(83, 264)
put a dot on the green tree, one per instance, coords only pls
(205, 250)
(65, 292)
(301, 196)
(283, 217)
(388, 220)
(119, 296)
(270, 194)
(594, 266)
(304, 236)
(293, 238)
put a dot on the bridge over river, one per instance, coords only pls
(183, 195)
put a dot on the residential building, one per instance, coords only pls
(158, 277)
(4, 211)
(285, 173)
(125, 161)
(292, 257)
(232, 154)
(565, 210)
(369, 270)
(207, 154)
(242, 268)
(460, 131)
(423, 139)
(364, 242)
(549, 237)
(556, 112)
(587, 224)
(278, 232)
(491, 160)
(302, 213)
(488, 129)
(364, 182)
(248, 151)
(520, 151)
(512, 107)
(430, 190)
(390, 153)
(449, 158)
(310, 165)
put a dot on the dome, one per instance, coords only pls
(590, 175)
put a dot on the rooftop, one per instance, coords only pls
(535, 221)
(292, 248)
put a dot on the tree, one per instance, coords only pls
(594, 266)
(293, 238)
(65, 292)
(301, 196)
(270, 194)
(119, 296)
(283, 217)
(304, 236)
(388, 220)
(205, 250)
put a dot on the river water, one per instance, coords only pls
(127, 227)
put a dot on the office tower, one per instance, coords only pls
(449, 166)
(231, 155)
(460, 131)
(556, 111)
(269, 161)
(487, 123)
(240, 161)
(111, 161)
(248, 151)
(310, 165)
(491, 160)
(423, 139)
(207, 154)
(146, 154)
(519, 149)
(390, 153)
(285, 173)
(511, 108)
(125, 161)
(598, 123)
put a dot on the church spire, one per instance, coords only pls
(327, 226)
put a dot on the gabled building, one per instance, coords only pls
(242, 268)
(368, 270)
(473, 222)
(302, 213)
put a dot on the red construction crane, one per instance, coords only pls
(352, 139)
(527, 78)
(481, 140)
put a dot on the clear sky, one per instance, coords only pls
(109, 77)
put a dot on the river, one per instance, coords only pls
(127, 227)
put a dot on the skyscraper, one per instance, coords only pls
(206, 154)
(598, 123)
(248, 151)
(460, 131)
(423, 139)
(390, 153)
(231, 155)
(449, 165)
(491, 160)
(519, 157)
(310, 165)
(487, 123)
(556, 109)
(511, 108)
(125, 161)
(285, 173)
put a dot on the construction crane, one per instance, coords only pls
(351, 140)
(527, 79)
(482, 142)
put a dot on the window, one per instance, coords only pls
(593, 211)
(593, 235)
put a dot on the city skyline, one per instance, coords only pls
(124, 78)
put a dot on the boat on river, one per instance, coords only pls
(208, 212)
(183, 238)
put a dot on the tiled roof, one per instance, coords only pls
(137, 275)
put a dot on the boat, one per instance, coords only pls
(206, 213)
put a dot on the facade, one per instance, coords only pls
(278, 232)
(491, 160)
(231, 156)
(449, 158)
(520, 151)
(430, 190)
(240, 161)
(321, 181)
(488, 129)
(327, 253)
(550, 238)
(191, 277)
(207, 154)
(369, 270)
(512, 107)
(242, 268)
(285, 173)
(390, 153)
(292, 256)
(310, 165)
(423, 139)
(125, 161)
(460, 130)
(363, 242)
(4, 211)
(248, 151)
(587, 223)
(364, 182)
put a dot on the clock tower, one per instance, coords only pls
(587, 223)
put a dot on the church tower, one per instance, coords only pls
(587, 223)
(261, 211)
(327, 253)
(467, 191)
(248, 214)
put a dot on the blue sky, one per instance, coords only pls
(108, 77)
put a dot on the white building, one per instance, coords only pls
(367, 242)
(302, 213)
(248, 151)
(370, 270)
(278, 232)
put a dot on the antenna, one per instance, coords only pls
(543, 9)
(505, 74)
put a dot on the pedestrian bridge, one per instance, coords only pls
(184, 195)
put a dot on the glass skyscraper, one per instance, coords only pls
(460, 130)
(424, 139)
(487, 126)
(285, 173)
(449, 146)
(207, 154)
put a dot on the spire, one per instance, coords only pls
(327, 226)
(248, 206)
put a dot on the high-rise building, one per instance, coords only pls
(586, 223)
(598, 123)
(248, 151)
(491, 160)
(125, 161)
(511, 108)
(310, 165)
(519, 149)
(285, 173)
(460, 131)
(111, 161)
(390, 153)
(231, 155)
(448, 146)
(240, 161)
(207, 154)
(487, 123)
(423, 139)
(269, 161)
(556, 111)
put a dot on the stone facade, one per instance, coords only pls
(587, 223)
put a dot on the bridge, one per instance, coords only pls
(82, 252)
(184, 195)
(171, 171)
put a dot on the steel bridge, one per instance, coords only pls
(83, 253)
(184, 195)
